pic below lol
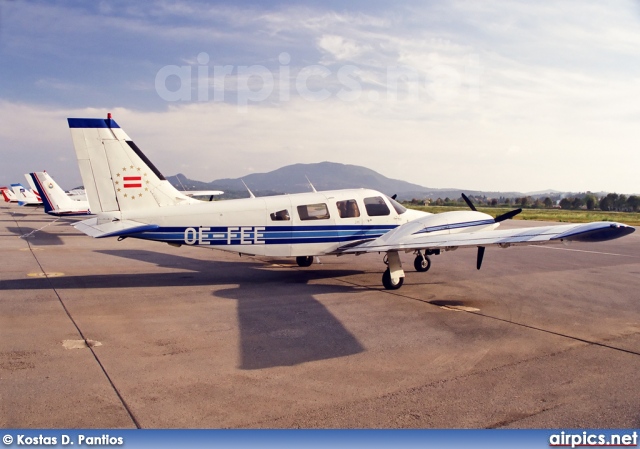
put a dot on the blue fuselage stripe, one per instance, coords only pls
(268, 235)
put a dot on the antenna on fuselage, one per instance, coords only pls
(312, 188)
(251, 195)
(181, 184)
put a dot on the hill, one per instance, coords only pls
(324, 176)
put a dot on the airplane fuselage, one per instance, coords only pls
(285, 225)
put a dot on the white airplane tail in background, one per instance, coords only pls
(117, 176)
(8, 195)
(32, 186)
(25, 196)
(55, 200)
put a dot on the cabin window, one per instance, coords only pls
(376, 206)
(397, 206)
(313, 212)
(348, 209)
(281, 215)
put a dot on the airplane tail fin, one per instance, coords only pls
(32, 187)
(48, 206)
(8, 195)
(24, 195)
(117, 176)
(55, 200)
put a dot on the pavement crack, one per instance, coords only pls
(87, 342)
(519, 417)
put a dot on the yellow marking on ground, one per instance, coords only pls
(80, 344)
(460, 308)
(45, 275)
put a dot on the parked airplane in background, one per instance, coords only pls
(77, 194)
(202, 195)
(56, 201)
(32, 186)
(25, 196)
(8, 195)
(132, 199)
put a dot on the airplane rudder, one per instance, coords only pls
(48, 206)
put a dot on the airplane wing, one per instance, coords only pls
(98, 228)
(399, 240)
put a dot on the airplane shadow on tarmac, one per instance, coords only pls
(36, 237)
(279, 324)
(46, 234)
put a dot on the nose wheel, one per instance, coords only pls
(422, 262)
(304, 261)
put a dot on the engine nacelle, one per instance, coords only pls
(443, 223)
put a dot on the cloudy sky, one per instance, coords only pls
(490, 95)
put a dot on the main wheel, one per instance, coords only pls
(304, 261)
(421, 263)
(388, 282)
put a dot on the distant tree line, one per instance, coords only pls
(588, 201)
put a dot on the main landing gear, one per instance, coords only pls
(304, 261)
(393, 277)
(389, 283)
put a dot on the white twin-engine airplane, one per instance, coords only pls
(132, 199)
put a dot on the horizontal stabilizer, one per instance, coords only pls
(112, 228)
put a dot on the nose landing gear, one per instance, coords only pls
(422, 262)
(304, 261)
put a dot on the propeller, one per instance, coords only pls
(510, 214)
(468, 201)
(498, 219)
(480, 256)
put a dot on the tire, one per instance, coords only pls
(304, 261)
(388, 283)
(422, 264)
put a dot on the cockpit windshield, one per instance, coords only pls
(400, 209)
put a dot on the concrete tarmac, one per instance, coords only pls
(196, 338)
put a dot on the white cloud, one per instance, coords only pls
(505, 96)
(52, 83)
(340, 48)
(213, 140)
